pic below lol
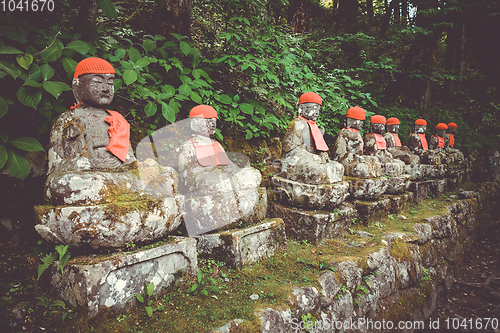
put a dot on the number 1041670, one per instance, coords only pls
(27, 5)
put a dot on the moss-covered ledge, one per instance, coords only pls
(395, 274)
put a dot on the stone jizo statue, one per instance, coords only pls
(439, 140)
(452, 130)
(417, 141)
(375, 143)
(394, 145)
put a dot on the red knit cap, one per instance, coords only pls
(378, 119)
(441, 126)
(203, 111)
(356, 113)
(310, 97)
(393, 121)
(420, 122)
(93, 66)
(452, 125)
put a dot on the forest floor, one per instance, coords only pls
(28, 307)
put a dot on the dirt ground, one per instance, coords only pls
(475, 294)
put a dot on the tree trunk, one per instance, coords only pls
(298, 16)
(397, 12)
(460, 52)
(451, 57)
(386, 20)
(369, 9)
(173, 16)
(86, 15)
(404, 13)
(348, 16)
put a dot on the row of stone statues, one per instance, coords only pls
(100, 195)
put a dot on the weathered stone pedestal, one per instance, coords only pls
(241, 247)
(315, 225)
(366, 189)
(101, 282)
(423, 189)
(380, 208)
(398, 184)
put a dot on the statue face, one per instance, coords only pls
(420, 129)
(354, 123)
(441, 133)
(309, 111)
(377, 128)
(452, 130)
(393, 128)
(204, 126)
(95, 90)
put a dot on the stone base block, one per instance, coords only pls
(111, 281)
(416, 171)
(224, 211)
(110, 225)
(387, 204)
(398, 184)
(367, 189)
(425, 188)
(246, 246)
(326, 196)
(314, 226)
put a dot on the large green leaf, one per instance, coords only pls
(24, 60)
(52, 53)
(79, 46)
(3, 107)
(225, 99)
(150, 109)
(27, 144)
(47, 72)
(169, 90)
(134, 54)
(55, 88)
(69, 65)
(195, 97)
(143, 62)
(3, 156)
(17, 165)
(9, 50)
(108, 8)
(185, 89)
(185, 48)
(10, 68)
(167, 112)
(29, 96)
(129, 76)
(149, 44)
(246, 108)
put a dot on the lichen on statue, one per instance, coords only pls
(218, 191)
(305, 153)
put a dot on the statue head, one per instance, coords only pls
(355, 117)
(203, 119)
(93, 82)
(441, 129)
(392, 125)
(452, 128)
(377, 124)
(420, 126)
(310, 105)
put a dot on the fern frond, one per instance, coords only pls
(46, 262)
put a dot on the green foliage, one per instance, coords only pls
(49, 259)
(148, 293)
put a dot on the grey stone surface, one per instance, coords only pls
(423, 231)
(367, 189)
(307, 196)
(398, 184)
(98, 283)
(423, 189)
(314, 226)
(245, 246)
(110, 225)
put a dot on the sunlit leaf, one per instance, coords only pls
(47, 72)
(108, 8)
(150, 109)
(24, 60)
(129, 76)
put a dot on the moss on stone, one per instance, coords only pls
(399, 251)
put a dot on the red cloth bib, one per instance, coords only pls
(396, 138)
(423, 140)
(440, 141)
(452, 140)
(319, 141)
(119, 135)
(381, 144)
(360, 137)
(210, 155)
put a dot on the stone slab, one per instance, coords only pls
(109, 225)
(423, 189)
(242, 247)
(398, 184)
(386, 204)
(366, 189)
(325, 196)
(314, 226)
(111, 282)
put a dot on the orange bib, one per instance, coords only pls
(440, 141)
(210, 155)
(423, 140)
(452, 140)
(319, 141)
(119, 135)
(381, 144)
(396, 138)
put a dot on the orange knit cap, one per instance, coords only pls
(377, 119)
(93, 66)
(452, 125)
(356, 113)
(310, 97)
(420, 122)
(393, 121)
(441, 126)
(203, 111)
